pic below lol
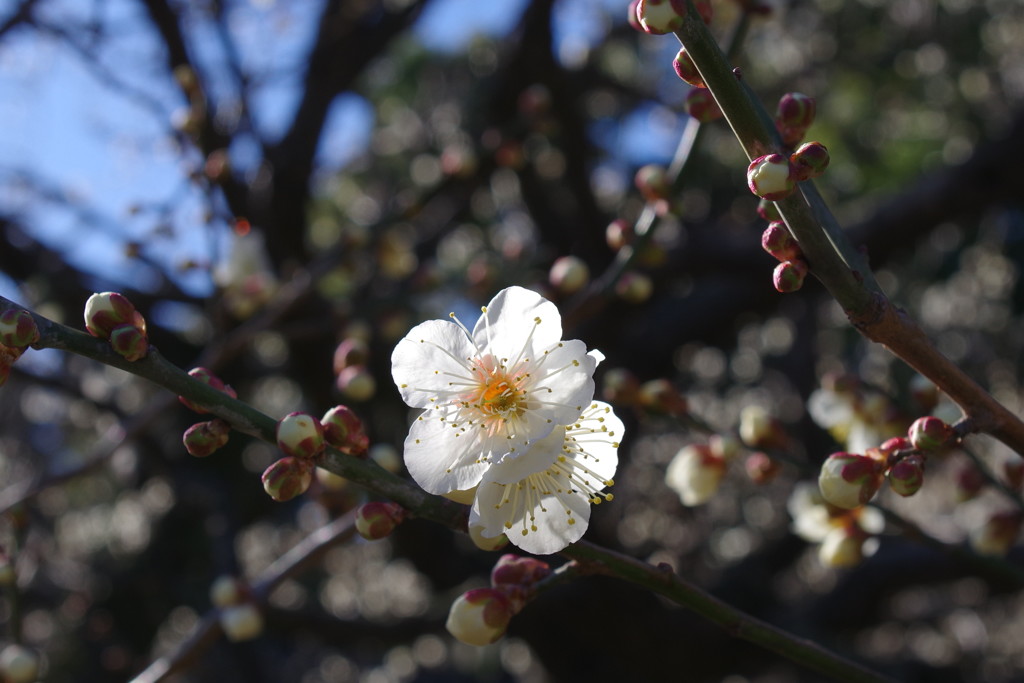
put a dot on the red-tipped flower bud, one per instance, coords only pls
(778, 242)
(701, 105)
(809, 160)
(345, 431)
(18, 328)
(517, 570)
(661, 16)
(300, 435)
(569, 274)
(377, 519)
(686, 69)
(129, 341)
(848, 480)
(930, 434)
(770, 177)
(288, 478)
(694, 474)
(480, 617)
(793, 116)
(204, 438)
(907, 476)
(789, 276)
(106, 310)
(206, 377)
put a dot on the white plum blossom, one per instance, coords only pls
(541, 500)
(491, 393)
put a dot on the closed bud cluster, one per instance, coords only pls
(652, 181)
(18, 664)
(480, 617)
(789, 276)
(569, 274)
(344, 430)
(206, 377)
(287, 478)
(848, 480)
(300, 435)
(809, 160)
(770, 177)
(930, 434)
(18, 328)
(110, 316)
(377, 519)
(793, 116)
(660, 396)
(778, 242)
(701, 105)
(204, 438)
(761, 468)
(695, 474)
(661, 16)
(907, 476)
(998, 534)
(686, 69)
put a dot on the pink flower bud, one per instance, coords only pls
(809, 160)
(661, 16)
(661, 396)
(241, 622)
(793, 116)
(129, 341)
(930, 434)
(106, 310)
(686, 69)
(768, 211)
(907, 476)
(694, 474)
(761, 468)
(569, 274)
(288, 478)
(652, 181)
(18, 328)
(356, 383)
(206, 377)
(998, 534)
(377, 519)
(789, 276)
(18, 664)
(618, 234)
(770, 177)
(480, 617)
(300, 435)
(778, 242)
(345, 431)
(848, 480)
(204, 438)
(701, 105)
(351, 351)
(517, 570)
(634, 287)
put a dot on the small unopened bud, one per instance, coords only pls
(351, 351)
(848, 480)
(377, 519)
(701, 105)
(228, 590)
(18, 328)
(907, 476)
(619, 385)
(809, 160)
(686, 69)
(356, 383)
(517, 570)
(761, 468)
(106, 310)
(661, 16)
(300, 435)
(777, 241)
(694, 474)
(18, 664)
(842, 547)
(206, 377)
(345, 431)
(998, 534)
(241, 622)
(760, 430)
(288, 478)
(770, 177)
(930, 434)
(618, 234)
(634, 287)
(204, 438)
(789, 276)
(569, 274)
(652, 181)
(480, 617)
(793, 116)
(661, 396)
(129, 341)
(768, 211)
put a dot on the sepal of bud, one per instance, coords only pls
(907, 476)
(204, 438)
(686, 69)
(480, 617)
(106, 310)
(18, 664)
(569, 274)
(241, 622)
(809, 160)
(701, 105)
(661, 16)
(777, 241)
(18, 328)
(129, 341)
(377, 519)
(770, 176)
(793, 116)
(848, 480)
(206, 377)
(789, 276)
(300, 435)
(287, 478)
(695, 474)
(345, 431)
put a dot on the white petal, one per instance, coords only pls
(442, 458)
(563, 381)
(426, 360)
(598, 433)
(537, 458)
(510, 321)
